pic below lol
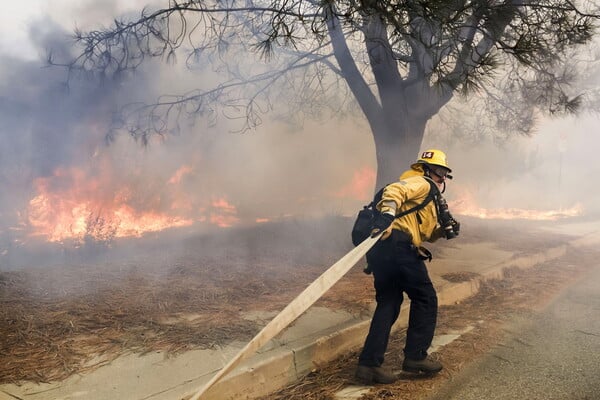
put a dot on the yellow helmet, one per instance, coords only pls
(433, 157)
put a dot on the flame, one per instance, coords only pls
(224, 215)
(179, 174)
(467, 206)
(361, 185)
(72, 205)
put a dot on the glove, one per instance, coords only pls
(382, 223)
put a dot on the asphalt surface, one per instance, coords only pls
(550, 355)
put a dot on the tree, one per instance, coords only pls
(401, 60)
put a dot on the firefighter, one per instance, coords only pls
(397, 264)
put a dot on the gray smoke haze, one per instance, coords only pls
(53, 140)
(553, 169)
(53, 136)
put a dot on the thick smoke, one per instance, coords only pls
(208, 175)
(53, 137)
(552, 169)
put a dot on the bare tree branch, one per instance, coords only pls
(401, 60)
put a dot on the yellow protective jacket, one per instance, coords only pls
(410, 191)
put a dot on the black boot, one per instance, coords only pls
(426, 366)
(371, 375)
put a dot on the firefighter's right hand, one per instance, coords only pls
(382, 223)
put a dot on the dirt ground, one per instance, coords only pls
(174, 293)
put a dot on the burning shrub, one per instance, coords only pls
(100, 230)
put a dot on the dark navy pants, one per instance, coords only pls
(397, 269)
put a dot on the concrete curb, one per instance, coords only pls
(283, 368)
(456, 292)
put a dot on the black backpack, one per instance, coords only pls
(363, 225)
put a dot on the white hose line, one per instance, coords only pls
(293, 310)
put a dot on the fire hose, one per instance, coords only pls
(293, 310)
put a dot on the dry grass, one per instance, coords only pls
(72, 318)
(60, 320)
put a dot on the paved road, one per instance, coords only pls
(554, 355)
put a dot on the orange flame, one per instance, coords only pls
(361, 185)
(226, 215)
(467, 206)
(179, 174)
(70, 205)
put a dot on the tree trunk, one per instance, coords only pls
(396, 146)
(398, 113)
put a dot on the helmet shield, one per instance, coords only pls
(433, 157)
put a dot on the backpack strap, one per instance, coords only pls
(433, 192)
(376, 198)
